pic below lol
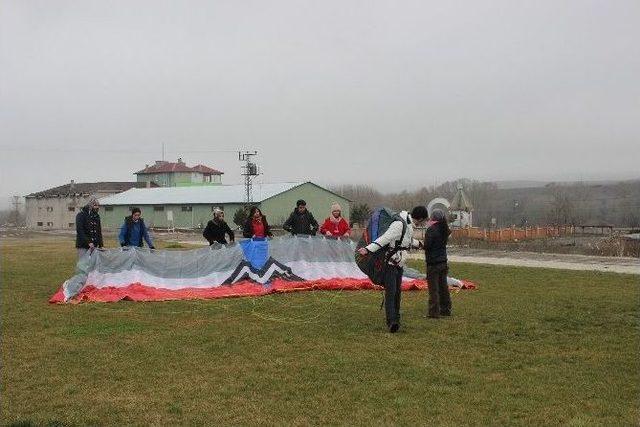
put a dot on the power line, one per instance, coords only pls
(99, 150)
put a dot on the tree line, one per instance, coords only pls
(615, 204)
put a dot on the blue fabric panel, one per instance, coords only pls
(256, 251)
(374, 225)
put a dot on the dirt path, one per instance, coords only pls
(533, 259)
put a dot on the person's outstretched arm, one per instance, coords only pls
(100, 242)
(228, 230)
(123, 234)
(83, 239)
(247, 231)
(147, 238)
(313, 222)
(208, 232)
(288, 224)
(393, 233)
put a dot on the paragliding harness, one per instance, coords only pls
(375, 264)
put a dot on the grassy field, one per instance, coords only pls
(531, 346)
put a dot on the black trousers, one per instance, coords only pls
(439, 297)
(392, 292)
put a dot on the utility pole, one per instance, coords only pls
(16, 209)
(249, 170)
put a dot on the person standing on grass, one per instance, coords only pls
(217, 228)
(435, 248)
(335, 225)
(134, 231)
(301, 220)
(256, 225)
(88, 228)
(397, 244)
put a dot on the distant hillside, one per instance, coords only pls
(614, 203)
(524, 202)
(507, 185)
(511, 184)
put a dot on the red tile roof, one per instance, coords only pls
(90, 188)
(164, 167)
(206, 169)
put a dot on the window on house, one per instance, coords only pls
(49, 224)
(72, 209)
(49, 208)
(71, 224)
(108, 208)
(158, 208)
(187, 208)
(39, 223)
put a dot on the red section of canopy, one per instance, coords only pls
(140, 292)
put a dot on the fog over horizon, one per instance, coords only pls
(397, 95)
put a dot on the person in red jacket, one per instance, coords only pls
(256, 225)
(335, 225)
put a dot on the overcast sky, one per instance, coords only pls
(383, 92)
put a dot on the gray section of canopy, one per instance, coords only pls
(167, 264)
(318, 249)
(311, 248)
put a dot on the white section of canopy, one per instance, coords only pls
(128, 277)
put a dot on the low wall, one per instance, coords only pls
(512, 234)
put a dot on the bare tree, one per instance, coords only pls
(562, 207)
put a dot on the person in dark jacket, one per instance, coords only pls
(301, 220)
(133, 231)
(256, 225)
(88, 228)
(217, 228)
(435, 247)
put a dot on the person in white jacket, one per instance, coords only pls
(390, 241)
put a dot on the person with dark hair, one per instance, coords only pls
(397, 240)
(420, 212)
(88, 228)
(217, 228)
(301, 220)
(435, 247)
(134, 231)
(256, 225)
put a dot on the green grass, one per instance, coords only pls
(531, 346)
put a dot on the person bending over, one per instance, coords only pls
(397, 245)
(217, 228)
